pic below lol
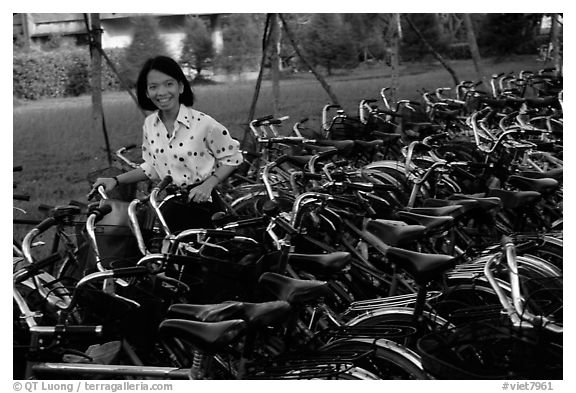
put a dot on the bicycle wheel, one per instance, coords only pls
(547, 248)
(396, 324)
(382, 358)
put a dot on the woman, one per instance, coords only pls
(190, 146)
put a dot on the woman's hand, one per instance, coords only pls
(109, 183)
(203, 191)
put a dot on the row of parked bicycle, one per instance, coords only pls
(382, 246)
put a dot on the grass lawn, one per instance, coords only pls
(58, 145)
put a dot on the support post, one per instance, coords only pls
(275, 62)
(473, 45)
(95, 34)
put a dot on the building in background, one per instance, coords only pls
(117, 29)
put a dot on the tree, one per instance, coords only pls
(473, 45)
(506, 34)
(197, 48)
(242, 42)
(413, 47)
(367, 31)
(327, 41)
(145, 44)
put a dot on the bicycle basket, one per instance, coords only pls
(485, 350)
(229, 271)
(346, 128)
(116, 242)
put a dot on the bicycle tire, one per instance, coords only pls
(396, 324)
(386, 359)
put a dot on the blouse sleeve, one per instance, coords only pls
(148, 166)
(225, 149)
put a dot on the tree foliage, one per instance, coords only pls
(412, 47)
(367, 30)
(504, 34)
(145, 44)
(197, 48)
(242, 35)
(327, 41)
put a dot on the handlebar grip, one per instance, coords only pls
(275, 121)
(17, 168)
(360, 186)
(370, 101)
(304, 120)
(45, 208)
(63, 329)
(44, 225)
(220, 233)
(101, 211)
(533, 132)
(37, 266)
(506, 240)
(130, 271)
(130, 147)
(60, 212)
(19, 197)
(384, 187)
(164, 183)
(79, 204)
(264, 118)
(389, 112)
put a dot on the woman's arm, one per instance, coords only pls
(202, 192)
(109, 183)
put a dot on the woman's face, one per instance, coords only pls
(164, 91)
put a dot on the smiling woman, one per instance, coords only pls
(181, 142)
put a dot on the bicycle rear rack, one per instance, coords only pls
(319, 365)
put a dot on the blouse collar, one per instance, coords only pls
(185, 116)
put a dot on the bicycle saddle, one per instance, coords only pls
(207, 336)
(300, 161)
(541, 185)
(484, 202)
(386, 137)
(254, 314)
(466, 205)
(431, 223)
(292, 290)
(395, 233)
(556, 174)
(515, 199)
(320, 263)
(340, 145)
(451, 210)
(364, 145)
(422, 267)
(205, 312)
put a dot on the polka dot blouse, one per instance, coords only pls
(198, 145)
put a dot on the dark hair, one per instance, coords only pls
(169, 67)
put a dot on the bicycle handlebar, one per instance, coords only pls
(515, 308)
(31, 270)
(164, 183)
